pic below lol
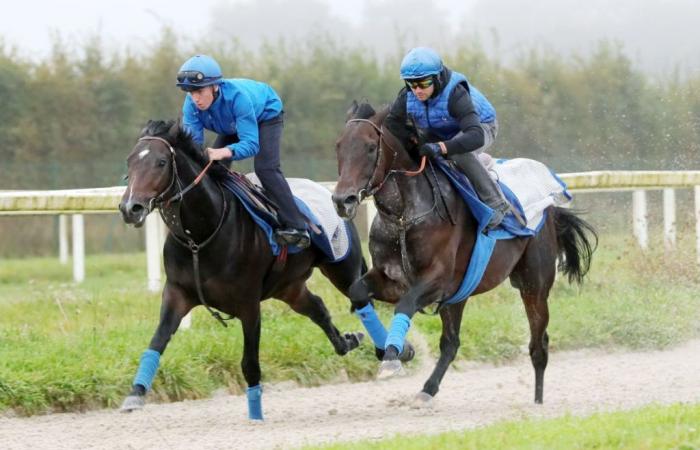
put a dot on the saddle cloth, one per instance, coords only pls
(328, 231)
(530, 187)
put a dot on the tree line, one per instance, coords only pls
(70, 119)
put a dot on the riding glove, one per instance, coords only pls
(431, 150)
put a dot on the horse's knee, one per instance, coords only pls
(359, 294)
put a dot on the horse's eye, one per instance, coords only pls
(162, 163)
(126, 177)
(372, 148)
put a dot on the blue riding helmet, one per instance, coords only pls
(420, 62)
(197, 72)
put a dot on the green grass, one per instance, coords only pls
(66, 347)
(651, 428)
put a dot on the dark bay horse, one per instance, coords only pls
(420, 257)
(215, 254)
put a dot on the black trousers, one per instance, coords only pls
(267, 167)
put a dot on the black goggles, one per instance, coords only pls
(423, 83)
(190, 76)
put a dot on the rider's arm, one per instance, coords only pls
(246, 126)
(460, 106)
(191, 122)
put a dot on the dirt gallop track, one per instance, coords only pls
(579, 382)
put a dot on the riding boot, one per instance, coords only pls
(486, 188)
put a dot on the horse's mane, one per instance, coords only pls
(408, 140)
(182, 141)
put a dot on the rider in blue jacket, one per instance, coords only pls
(247, 115)
(457, 121)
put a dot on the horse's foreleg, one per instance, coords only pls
(174, 307)
(419, 296)
(250, 364)
(375, 284)
(302, 301)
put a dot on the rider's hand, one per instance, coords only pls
(430, 150)
(217, 154)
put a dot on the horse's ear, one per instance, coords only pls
(351, 112)
(144, 130)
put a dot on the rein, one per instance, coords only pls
(368, 190)
(161, 203)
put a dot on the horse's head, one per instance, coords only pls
(150, 171)
(362, 165)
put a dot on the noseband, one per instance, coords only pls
(370, 190)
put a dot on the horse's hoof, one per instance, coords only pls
(422, 401)
(407, 353)
(390, 369)
(353, 340)
(132, 403)
(256, 422)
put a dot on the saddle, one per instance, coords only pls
(254, 196)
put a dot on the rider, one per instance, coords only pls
(457, 121)
(247, 115)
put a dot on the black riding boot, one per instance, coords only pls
(485, 186)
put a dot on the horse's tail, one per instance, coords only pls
(577, 240)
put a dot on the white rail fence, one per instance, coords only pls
(77, 202)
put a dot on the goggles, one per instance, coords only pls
(190, 76)
(424, 83)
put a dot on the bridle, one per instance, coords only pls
(403, 223)
(160, 199)
(370, 190)
(160, 202)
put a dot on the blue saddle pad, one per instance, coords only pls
(267, 221)
(485, 242)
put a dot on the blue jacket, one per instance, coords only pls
(433, 114)
(240, 106)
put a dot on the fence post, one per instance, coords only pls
(63, 239)
(639, 217)
(153, 251)
(697, 222)
(78, 226)
(669, 219)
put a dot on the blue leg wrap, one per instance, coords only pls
(374, 326)
(150, 359)
(254, 395)
(397, 332)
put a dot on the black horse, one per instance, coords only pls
(217, 256)
(421, 245)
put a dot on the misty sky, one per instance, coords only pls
(657, 34)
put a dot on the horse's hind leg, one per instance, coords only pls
(174, 307)
(451, 317)
(534, 276)
(301, 300)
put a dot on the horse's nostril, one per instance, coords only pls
(350, 200)
(136, 208)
